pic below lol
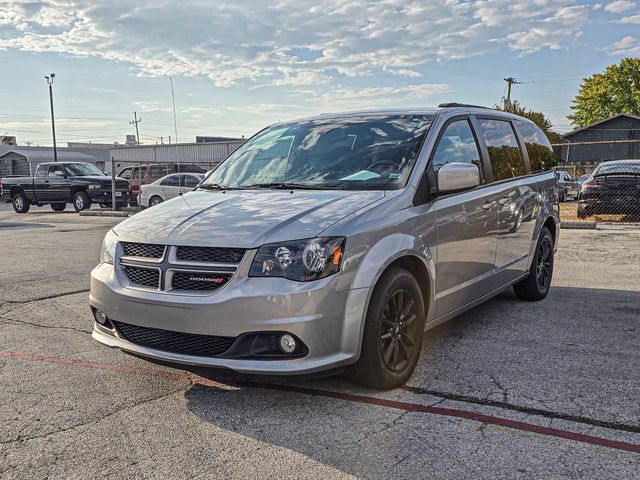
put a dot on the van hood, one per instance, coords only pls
(245, 219)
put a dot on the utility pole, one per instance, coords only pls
(49, 80)
(135, 122)
(175, 122)
(507, 101)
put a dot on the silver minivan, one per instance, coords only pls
(335, 241)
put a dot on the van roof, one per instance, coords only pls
(443, 107)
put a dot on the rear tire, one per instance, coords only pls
(393, 332)
(81, 201)
(21, 203)
(58, 207)
(536, 285)
(155, 200)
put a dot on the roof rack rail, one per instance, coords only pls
(454, 104)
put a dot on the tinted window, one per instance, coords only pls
(53, 169)
(620, 168)
(504, 153)
(171, 181)
(538, 147)
(457, 144)
(159, 171)
(83, 170)
(191, 181)
(353, 152)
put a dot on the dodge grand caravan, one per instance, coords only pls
(335, 241)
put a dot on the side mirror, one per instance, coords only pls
(457, 176)
(59, 173)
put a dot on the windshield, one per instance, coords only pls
(367, 152)
(82, 170)
(617, 168)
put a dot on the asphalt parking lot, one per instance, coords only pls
(508, 390)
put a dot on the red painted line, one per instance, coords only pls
(381, 402)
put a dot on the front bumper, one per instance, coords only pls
(102, 195)
(328, 322)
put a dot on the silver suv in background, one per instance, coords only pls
(335, 241)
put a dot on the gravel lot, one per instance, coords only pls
(508, 390)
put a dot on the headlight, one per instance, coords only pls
(94, 185)
(300, 260)
(108, 251)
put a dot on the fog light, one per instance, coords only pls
(100, 316)
(287, 344)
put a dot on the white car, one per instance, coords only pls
(168, 187)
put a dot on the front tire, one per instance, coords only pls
(536, 285)
(21, 203)
(58, 207)
(81, 201)
(393, 332)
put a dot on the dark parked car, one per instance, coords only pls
(567, 185)
(614, 187)
(59, 183)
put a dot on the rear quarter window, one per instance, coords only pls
(159, 171)
(504, 152)
(538, 146)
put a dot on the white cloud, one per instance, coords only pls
(620, 6)
(633, 19)
(286, 42)
(627, 46)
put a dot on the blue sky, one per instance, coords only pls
(238, 66)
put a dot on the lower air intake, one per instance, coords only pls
(175, 342)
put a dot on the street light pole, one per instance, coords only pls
(53, 121)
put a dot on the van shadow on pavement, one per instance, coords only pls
(572, 354)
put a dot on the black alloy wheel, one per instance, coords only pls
(543, 264)
(396, 345)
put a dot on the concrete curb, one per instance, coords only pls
(578, 225)
(103, 213)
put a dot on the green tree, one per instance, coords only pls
(538, 118)
(603, 95)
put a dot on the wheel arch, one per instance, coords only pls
(398, 250)
(14, 190)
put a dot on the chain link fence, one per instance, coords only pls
(599, 181)
(145, 168)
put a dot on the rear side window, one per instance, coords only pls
(504, 153)
(538, 147)
(190, 181)
(457, 144)
(42, 170)
(172, 181)
(159, 171)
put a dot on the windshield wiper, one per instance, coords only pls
(288, 186)
(214, 186)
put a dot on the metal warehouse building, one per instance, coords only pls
(620, 137)
(207, 155)
(18, 160)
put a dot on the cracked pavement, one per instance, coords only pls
(570, 362)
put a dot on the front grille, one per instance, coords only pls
(176, 342)
(143, 250)
(200, 281)
(210, 254)
(145, 277)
